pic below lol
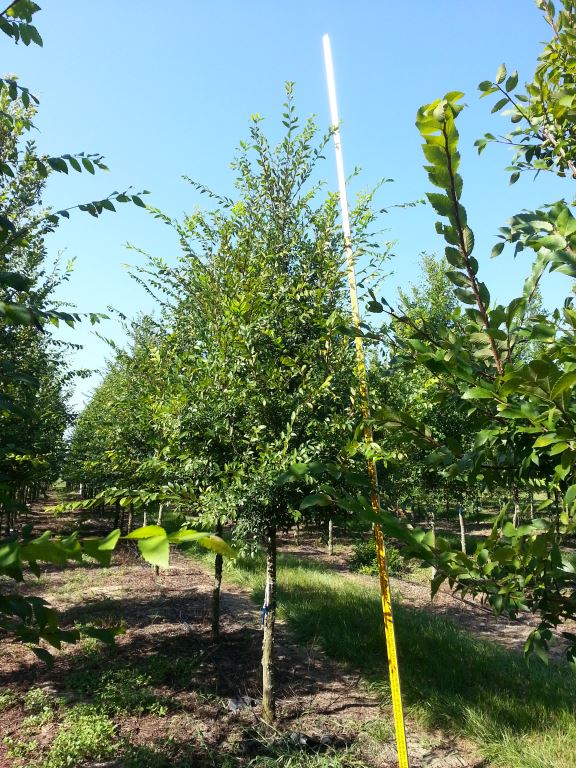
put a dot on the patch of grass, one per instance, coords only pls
(381, 731)
(96, 662)
(345, 759)
(519, 715)
(128, 692)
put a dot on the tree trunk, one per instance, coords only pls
(330, 538)
(432, 518)
(531, 504)
(216, 591)
(557, 510)
(159, 522)
(145, 517)
(117, 509)
(462, 529)
(130, 519)
(268, 618)
(516, 498)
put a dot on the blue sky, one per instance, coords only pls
(166, 92)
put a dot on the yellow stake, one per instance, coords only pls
(393, 672)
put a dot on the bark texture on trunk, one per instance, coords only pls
(330, 538)
(130, 519)
(269, 617)
(218, 560)
(158, 522)
(117, 511)
(462, 529)
(432, 521)
(516, 498)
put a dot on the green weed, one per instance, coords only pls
(33, 723)
(8, 699)
(130, 692)
(36, 700)
(346, 759)
(19, 749)
(365, 560)
(85, 734)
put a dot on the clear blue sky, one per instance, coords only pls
(166, 90)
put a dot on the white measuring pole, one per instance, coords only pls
(335, 121)
(403, 761)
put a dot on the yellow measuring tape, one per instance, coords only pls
(389, 633)
(365, 409)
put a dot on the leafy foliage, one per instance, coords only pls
(505, 371)
(543, 134)
(34, 412)
(364, 559)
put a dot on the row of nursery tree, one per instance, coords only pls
(235, 405)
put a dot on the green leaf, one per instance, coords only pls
(497, 250)
(454, 257)
(57, 164)
(570, 495)
(43, 655)
(512, 82)
(468, 240)
(477, 393)
(316, 500)
(101, 549)
(216, 544)
(500, 74)
(155, 550)
(146, 532)
(545, 440)
(566, 381)
(15, 280)
(552, 242)
(441, 203)
(499, 105)
(558, 448)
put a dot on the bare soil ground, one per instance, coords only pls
(168, 616)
